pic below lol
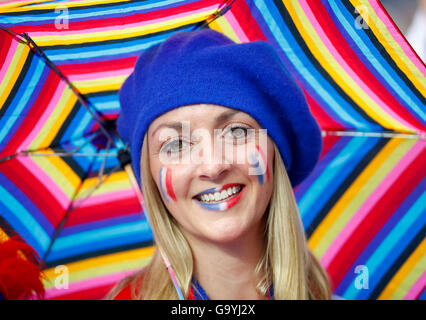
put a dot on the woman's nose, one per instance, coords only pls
(212, 171)
(212, 162)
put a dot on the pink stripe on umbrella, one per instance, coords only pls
(100, 75)
(105, 197)
(417, 288)
(236, 27)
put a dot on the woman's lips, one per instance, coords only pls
(225, 204)
(213, 190)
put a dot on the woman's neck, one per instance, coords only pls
(227, 270)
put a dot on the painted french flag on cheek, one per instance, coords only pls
(260, 165)
(166, 187)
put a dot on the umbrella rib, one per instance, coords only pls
(72, 153)
(388, 135)
(12, 32)
(56, 154)
(101, 171)
(67, 154)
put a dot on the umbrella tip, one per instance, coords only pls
(124, 157)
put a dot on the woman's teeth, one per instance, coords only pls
(220, 196)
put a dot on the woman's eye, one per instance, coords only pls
(174, 146)
(238, 133)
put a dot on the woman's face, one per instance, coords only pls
(213, 168)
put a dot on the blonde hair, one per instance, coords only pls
(287, 263)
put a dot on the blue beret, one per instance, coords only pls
(193, 67)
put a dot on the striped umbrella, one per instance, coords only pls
(363, 206)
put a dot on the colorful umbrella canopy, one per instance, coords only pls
(364, 205)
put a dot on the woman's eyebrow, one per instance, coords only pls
(226, 115)
(177, 125)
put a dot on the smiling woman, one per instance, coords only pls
(219, 135)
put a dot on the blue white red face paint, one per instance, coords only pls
(166, 187)
(259, 165)
(233, 193)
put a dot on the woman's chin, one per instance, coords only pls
(224, 231)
